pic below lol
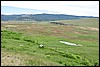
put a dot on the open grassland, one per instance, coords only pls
(54, 53)
(87, 22)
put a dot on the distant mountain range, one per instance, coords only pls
(41, 17)
(35, 15)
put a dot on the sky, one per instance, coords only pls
(79, 8)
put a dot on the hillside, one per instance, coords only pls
(20, 43)
(41, 17)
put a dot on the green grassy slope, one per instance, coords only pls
(54, 53)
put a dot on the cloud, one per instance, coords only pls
(84, 8)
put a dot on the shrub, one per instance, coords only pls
(60, 62)
(11, 48)
(48, 56)
(2, 46)
(96, 64)
(61, 52)
(69, 55)
(17, 38)
(86, 62)
(65, 64)
(29, 40)
(78, 57)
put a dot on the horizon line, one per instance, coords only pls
(44, 13)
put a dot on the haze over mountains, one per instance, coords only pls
(24, 14)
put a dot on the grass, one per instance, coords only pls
(93, 22)
(54, 53)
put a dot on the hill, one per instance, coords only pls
(20, 43)
(41, 17)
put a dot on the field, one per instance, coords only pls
(20, 42)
